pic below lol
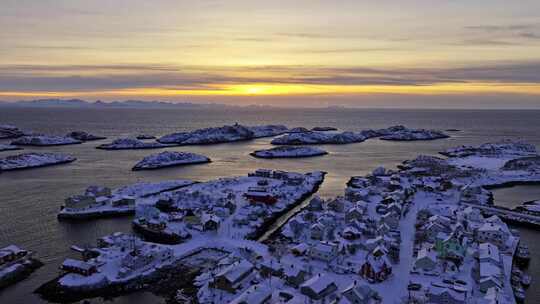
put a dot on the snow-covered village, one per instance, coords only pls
(426, 231)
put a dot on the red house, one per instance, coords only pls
(260, 194)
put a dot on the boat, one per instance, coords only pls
(523, 254)
(519, 294)
(526, 280)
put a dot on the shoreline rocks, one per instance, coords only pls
(222, 134)
(4, 147)
(44, 140)
(9, 131)
(170, 159)
(33, 160)
(131, 144)
(84, 136)
(289, 152)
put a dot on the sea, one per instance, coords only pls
(30, 199)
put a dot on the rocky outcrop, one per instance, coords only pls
(45, 140)
(289, 152)
(130, 143)
(84, 136)
(170, 159)
(33, 160)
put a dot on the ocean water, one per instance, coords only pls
(29, 200)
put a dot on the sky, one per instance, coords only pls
(410, 53)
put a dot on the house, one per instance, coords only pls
(260, 194)
(360, 294)
(294, 275)
(376, 268)
(490, 283)
(353, 214)
(495, 233)
(337, 205)
(11, 253)
(300, 249)
(315, 204)
(351, 233)
(124, 200)
(445, 295)
(270, 268)
(450, 246)
(261, 173)
(394, 207)
(79, 202)
(489, 253)
(324, 251)
(317, 231)
(391, 219)
(426, 260)
(80, 267)
(210, 222)
(318, 287)
(232, 276)
(255, 294)
(97, 191)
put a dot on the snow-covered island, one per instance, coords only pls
(9, 131)
(222, 134)
(33, 160)
(99, 201)
(131, 144)
(414, 134)
(170, 159)
(289, 152)
(348, 137)
(84, 136)
(7, 147)
(45, 140)
(16, 264)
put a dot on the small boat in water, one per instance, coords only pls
(523, 255)
(525, 280)
(519, 294)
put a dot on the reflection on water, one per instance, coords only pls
(29, 200)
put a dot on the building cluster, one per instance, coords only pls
(459, 254)
(97, 196)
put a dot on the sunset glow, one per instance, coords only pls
(180, 50)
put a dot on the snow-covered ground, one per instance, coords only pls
(222, 134)
(33, 160)
(415, 134)
(391, 133)
(45, 140)
(289, 152)
(84, 136)
(131, 143)
(371, 237)
(4, 147)
(170, 159)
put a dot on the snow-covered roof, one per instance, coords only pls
(255, 294)
(488, 269)
(318, 283)
(234, 272)
(489, 251)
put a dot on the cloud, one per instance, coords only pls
(111, 77)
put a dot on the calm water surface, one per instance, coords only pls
(29, 200)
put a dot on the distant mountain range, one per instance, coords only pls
(78, 103)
